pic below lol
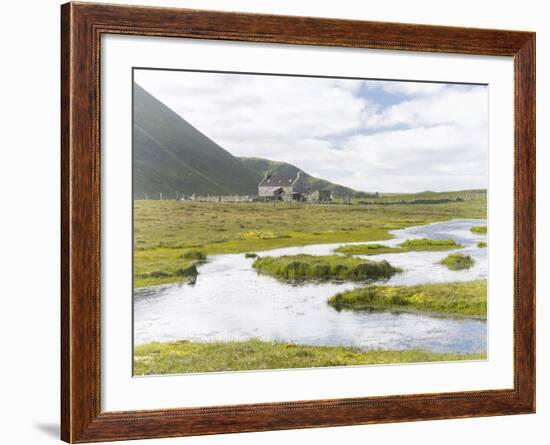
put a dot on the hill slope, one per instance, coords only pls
(262, 166)
(173, 157)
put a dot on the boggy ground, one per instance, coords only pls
(172, 237)
(165, 230)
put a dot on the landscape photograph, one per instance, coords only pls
(293, 221)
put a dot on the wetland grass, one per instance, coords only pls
(184, 356)
(467, 298)
(328, 267)
(458, 261)
(480, 230)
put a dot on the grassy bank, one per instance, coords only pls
(165, 230)
(422, 244)
(184, 268)
(461, 298)
(458, 261)
(328, 267)
(480, 230)
(184, 357)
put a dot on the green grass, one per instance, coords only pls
(422, 244)
(187, 271)
(165, 230)
(430, 244)
(181, 268)
(481, 230)
(329, 267)
(185, 357)
(481, 244)
(250, 255)
(458, 298)
(458, 261)
(196, 255)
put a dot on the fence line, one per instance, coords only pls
(210, 198)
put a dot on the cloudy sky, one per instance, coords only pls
(386, 136)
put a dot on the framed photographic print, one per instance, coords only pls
(276, 222)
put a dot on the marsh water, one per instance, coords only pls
(232, 301)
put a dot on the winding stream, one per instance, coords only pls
(231, 301)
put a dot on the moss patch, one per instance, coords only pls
(480, 230)
(457, 298)
(458, 261)
(330, 267)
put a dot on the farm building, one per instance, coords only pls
(320, 196)
(281, 187)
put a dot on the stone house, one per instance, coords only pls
(281, 186)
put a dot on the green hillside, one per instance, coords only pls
(262, 166)
(173, 158)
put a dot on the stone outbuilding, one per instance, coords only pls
(320, 196)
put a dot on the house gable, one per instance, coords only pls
(287, 184)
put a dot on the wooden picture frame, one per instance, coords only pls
(82, 25)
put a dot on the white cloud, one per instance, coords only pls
(424, 158)
(452, 106)
(434, 136)
(407, 88)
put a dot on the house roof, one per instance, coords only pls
(273, 189)
(278, 181)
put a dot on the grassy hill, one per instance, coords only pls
(262, 166)
(173, 157)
